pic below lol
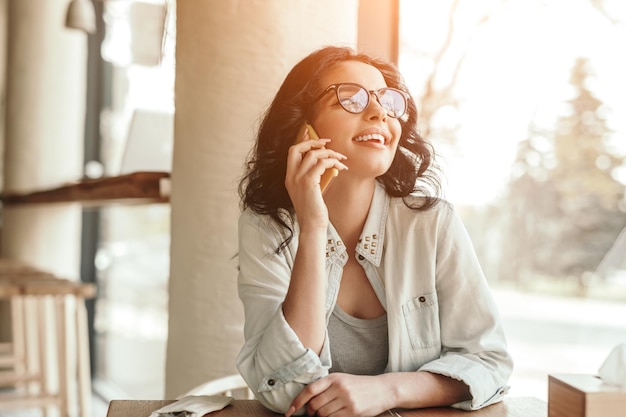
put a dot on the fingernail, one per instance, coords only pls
(290, 411)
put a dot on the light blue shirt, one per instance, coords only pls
(422, 265)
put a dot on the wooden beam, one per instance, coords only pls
(379, 28)
(135, 188)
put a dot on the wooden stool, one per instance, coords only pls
(49, 330)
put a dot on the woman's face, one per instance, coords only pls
(369, 139)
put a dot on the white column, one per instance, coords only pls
(45, 113)
(231, 58)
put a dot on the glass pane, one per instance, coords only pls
(133, 252)
(525, 108)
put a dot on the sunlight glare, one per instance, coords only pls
(515, 73)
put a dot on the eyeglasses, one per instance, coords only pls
(354, 98)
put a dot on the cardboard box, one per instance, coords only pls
(582, 395)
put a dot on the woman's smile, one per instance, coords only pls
(373, 136)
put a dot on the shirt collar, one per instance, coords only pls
(370, 244)
(334, 246)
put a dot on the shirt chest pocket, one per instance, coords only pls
(421, 316)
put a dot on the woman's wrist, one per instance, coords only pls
(313, 237)
(313, 227)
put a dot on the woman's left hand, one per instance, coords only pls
(344, 395)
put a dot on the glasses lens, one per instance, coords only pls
(355, 99)
(393, 101)
(352, 97)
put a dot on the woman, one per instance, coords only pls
(367, 296)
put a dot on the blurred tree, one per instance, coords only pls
(443, 66)
(566, 207)
(605, 9)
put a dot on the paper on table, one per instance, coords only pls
(193, 406)
(613, 370)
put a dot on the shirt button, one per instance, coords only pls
(271, 382)
(361, 257)
(422, 299)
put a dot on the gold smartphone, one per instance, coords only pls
(330, 173)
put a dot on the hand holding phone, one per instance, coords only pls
(330, 173)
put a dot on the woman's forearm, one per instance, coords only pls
(304, 305)
(425, 389)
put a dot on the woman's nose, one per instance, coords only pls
(375, 109)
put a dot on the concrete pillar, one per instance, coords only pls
(231, 58)
(45, 113)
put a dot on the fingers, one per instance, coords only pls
(341, 395)
(318, 399)
(312, 158)
(306, 395)
(322, 407)
(313, 148)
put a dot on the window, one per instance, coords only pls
(132, 259)
(521, 100)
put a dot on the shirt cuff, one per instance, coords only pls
(485, 386)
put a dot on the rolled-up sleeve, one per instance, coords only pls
(273, 361)
(474, 348)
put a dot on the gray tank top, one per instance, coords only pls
(358, 346)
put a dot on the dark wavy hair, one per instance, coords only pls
(262, 187)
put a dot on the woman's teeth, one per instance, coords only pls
(373, 136)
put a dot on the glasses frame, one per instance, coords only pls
(375, 93)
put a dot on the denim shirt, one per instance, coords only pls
(423, 268)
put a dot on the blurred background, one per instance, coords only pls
(524, 102)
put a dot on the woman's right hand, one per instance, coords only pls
(304, 304)
(306, 162)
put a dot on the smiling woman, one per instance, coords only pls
(352, 296)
